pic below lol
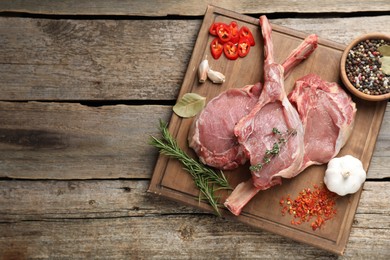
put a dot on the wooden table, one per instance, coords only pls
(83, 86)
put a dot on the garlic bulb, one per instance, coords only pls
(344, 175)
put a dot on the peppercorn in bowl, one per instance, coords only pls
(364, 67)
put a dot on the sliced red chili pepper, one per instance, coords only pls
(243, 47)
(223, 32)
(234, 32)
(213, 29)
(216, 48)
(246, 33)
(231, 51)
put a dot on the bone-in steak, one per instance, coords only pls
(327, 113)
(255, 132)
(211, 134)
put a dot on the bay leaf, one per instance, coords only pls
(384, 50)
(385, 60)
(189, 105)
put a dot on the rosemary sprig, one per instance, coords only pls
(206, 179)
(269, 154)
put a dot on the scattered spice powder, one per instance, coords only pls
(315, 205)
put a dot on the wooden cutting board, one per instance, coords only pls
(264, 211)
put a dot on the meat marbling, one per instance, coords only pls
(212, 132)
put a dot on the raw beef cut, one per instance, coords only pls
(255, 132)
(212, 136)
(327, 113)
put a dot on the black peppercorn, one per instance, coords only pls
(364, 69)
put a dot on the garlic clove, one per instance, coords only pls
(215, 76)
(202, 70)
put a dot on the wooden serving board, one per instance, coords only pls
(264, 211)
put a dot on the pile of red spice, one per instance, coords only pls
(310, 205)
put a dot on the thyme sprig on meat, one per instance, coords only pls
(206, 179)
(275, 150)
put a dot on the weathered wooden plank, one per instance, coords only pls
(379, 167)
(173, 237)
(342, 30)
(99, 142)
(63, 140)
(30, 200)
(50, 59)
(87, 59)
(117, 219)
(193, 7)
(36, 200)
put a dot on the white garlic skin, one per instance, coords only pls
(203, 70)
(216, 76)
(344, 175)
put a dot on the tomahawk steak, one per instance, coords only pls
(256, 132)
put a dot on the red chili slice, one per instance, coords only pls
(213, 29)
(234, 32)
(216, 48)
(246, 33)
(231, 51)
(243, 47)
(223, 32)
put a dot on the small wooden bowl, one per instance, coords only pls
(343, 73)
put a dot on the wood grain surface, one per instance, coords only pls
(113, 219)
(73, 141)
(63, 59)
(78, 80)
(188, 8)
